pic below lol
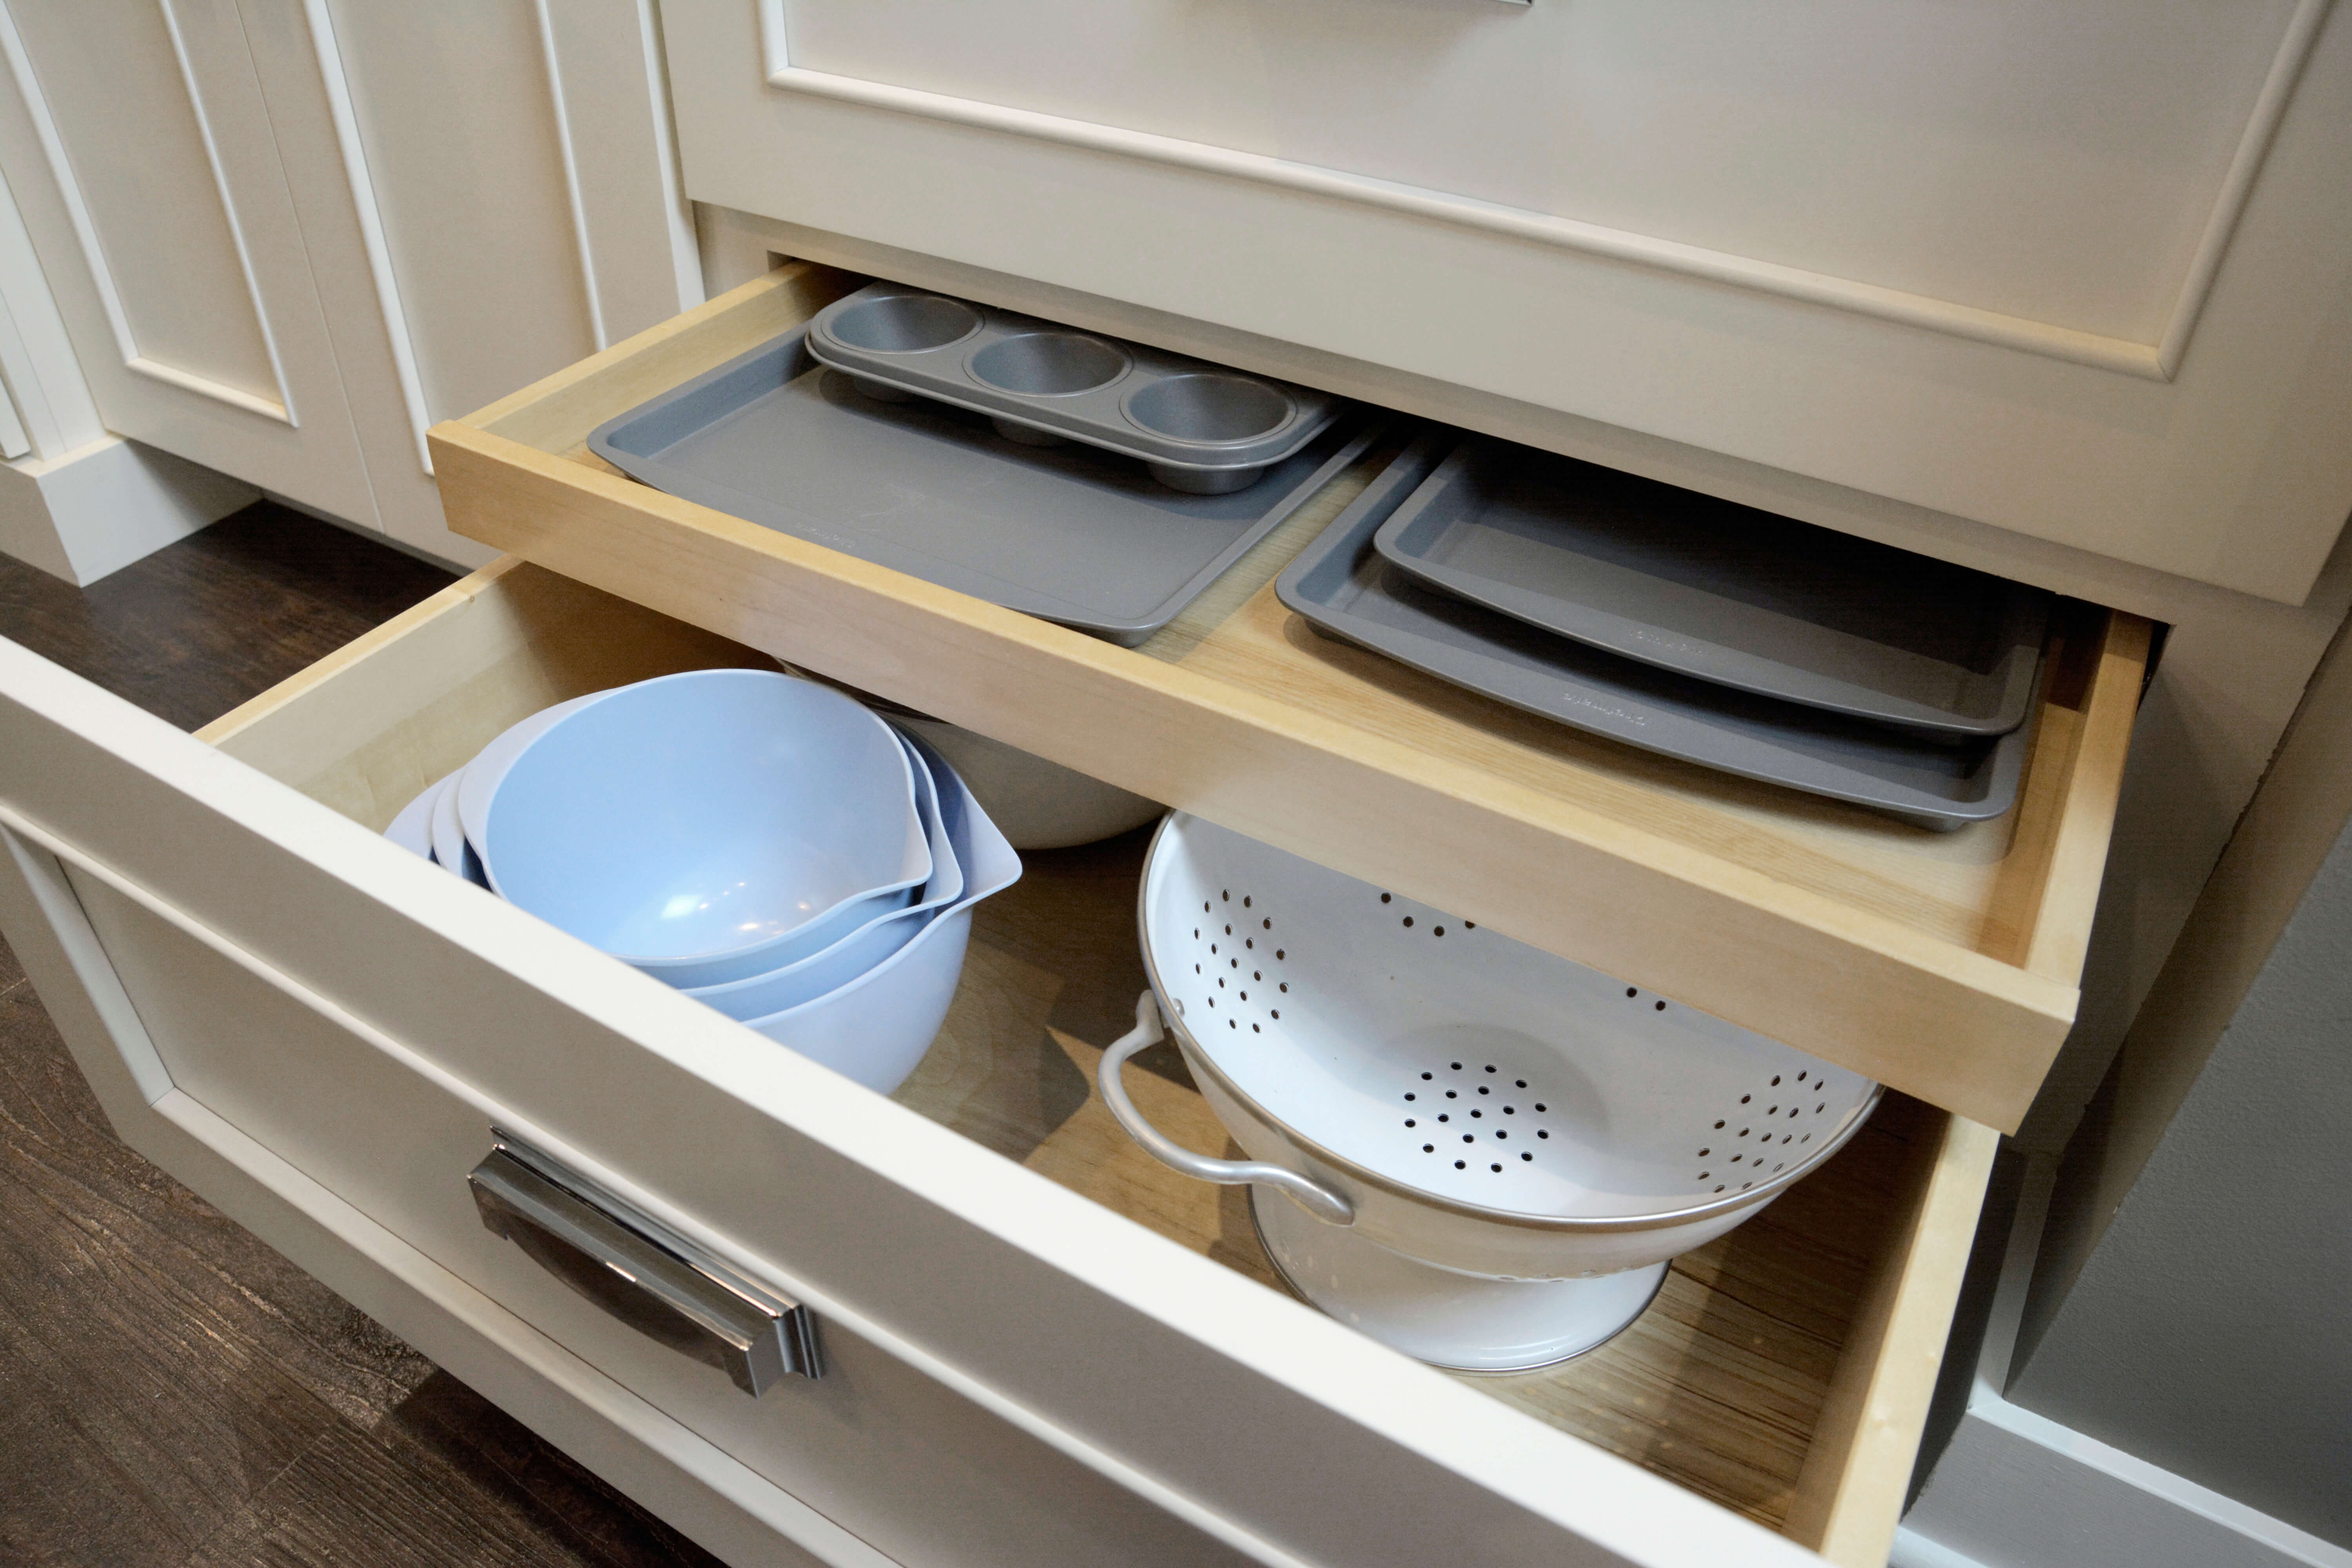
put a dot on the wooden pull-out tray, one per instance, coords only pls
(1784, 1371)
(1946, 966)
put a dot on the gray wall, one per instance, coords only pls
(2209, 1330)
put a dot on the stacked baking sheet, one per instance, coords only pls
(1705, 630)
(1099, 484)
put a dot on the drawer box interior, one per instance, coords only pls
(1947, 965)
(1784, 1370)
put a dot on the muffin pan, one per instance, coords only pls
(1070, 534)
(1724, 592)
(1196, 427)
(1341, 584)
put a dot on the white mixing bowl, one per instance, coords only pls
(691, 825)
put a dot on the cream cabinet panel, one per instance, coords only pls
(456, 117)
(487, 193)
(141, 156)
(1911, 146)
(287, 236)
(2079, 272)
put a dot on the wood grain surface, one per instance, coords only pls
(172, 1391)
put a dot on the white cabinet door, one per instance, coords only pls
(487, 193)
(2076, 271)
(136, 141)
(290, 235)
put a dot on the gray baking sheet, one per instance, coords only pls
(1345, 589)
(1068, 533)
(1724, 592)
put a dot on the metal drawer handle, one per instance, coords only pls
(1331, 1207)
(639, 1271)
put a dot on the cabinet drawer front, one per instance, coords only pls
(1791, 237)
(889, 1453)
(998, 1341)
(1944, 965)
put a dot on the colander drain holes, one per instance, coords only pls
(1756, 1160)
(1500, 1134)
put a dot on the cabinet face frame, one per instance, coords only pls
(2169, 460)
(1250, 727)
(334, 919)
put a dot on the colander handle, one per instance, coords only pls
(1316, 1199)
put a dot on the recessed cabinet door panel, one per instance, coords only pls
(487, 194)
(2075, 271)
(137, 147)
(1911, 146)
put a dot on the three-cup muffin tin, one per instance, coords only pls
(1196, 427)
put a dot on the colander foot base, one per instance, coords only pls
(1461, 1323)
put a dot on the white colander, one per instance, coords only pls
(1458, 1099)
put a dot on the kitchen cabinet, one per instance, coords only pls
(286, 236)
(2077, 272)
(1059, 1354)
(323, 1040)
(141, 152)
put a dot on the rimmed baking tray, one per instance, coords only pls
(1343, 586)
(1724, 592)
(1068, 533)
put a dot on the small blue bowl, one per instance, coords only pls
(695, 823)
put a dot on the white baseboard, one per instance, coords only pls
(2016, 1489)
(99, 508)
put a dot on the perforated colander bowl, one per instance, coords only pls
(1475, 1102)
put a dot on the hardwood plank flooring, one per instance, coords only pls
(172, 1391)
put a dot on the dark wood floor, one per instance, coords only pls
(171, 1391)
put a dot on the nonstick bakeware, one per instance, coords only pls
(1196, 427)
(1724, 592)
(1342, 587)
(1070, 534)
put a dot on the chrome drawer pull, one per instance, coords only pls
(637, 1270)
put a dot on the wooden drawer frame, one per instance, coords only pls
(362, 729)
(92, 791)
(1948, 966)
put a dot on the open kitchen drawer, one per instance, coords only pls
(290, 1011)
(1944, 965)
